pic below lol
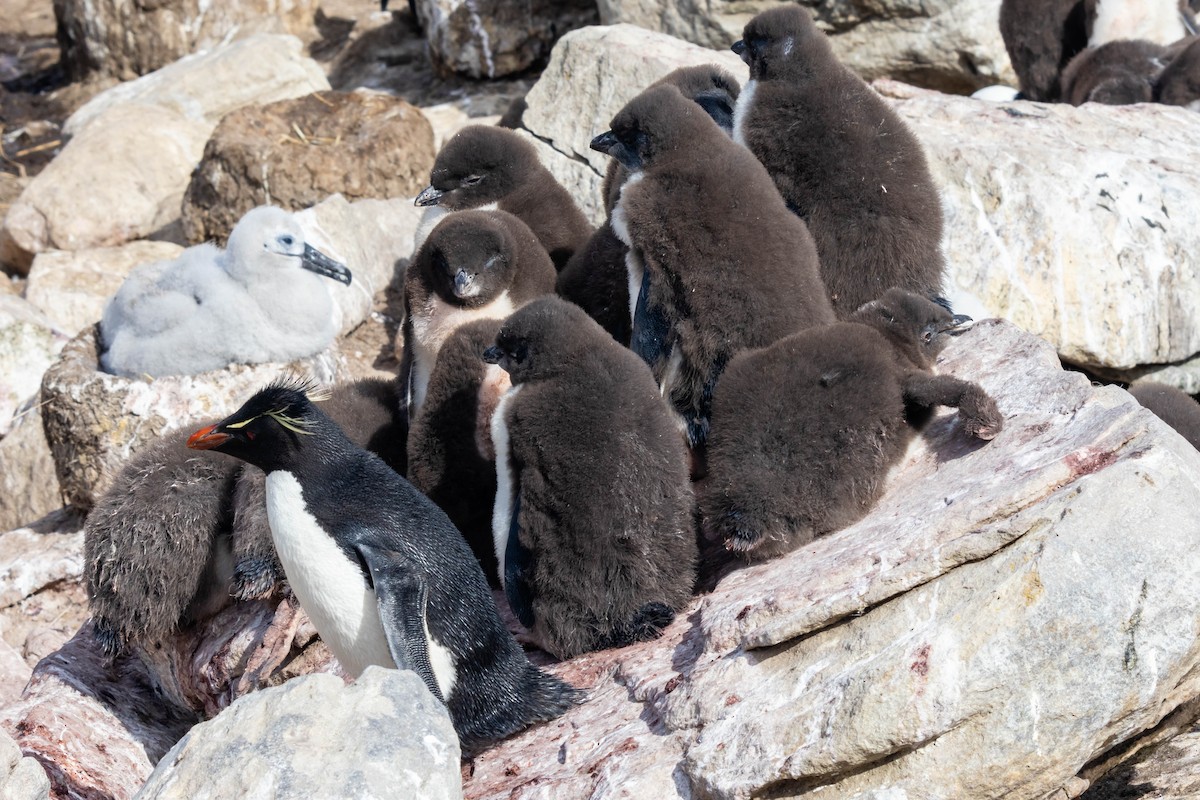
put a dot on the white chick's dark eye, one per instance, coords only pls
(286, 241)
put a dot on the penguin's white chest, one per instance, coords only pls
(741, 109)
(437, 320)
(506, 481)
(332, 589)
(634, 268)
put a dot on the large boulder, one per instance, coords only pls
(949, 45)
(124, 40)
(492, 38)
(28, 482)
(132, 150)
(391, 736)
(29, 343)
(72, 287)
(94, 421)
(20, 778)
(295, 153)
(1168, 771)
(1078, 224)
(1009, 612)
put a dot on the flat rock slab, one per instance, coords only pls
(29, 343)
(391, 737)
(1168, 771)
(943, 646)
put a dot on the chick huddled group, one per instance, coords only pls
(1115, 52)
(738, 355)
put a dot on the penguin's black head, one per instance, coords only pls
(775, 41)
(480, 164)
(708, 86)
(469, 258)
(658, 121)
(917, 326)
(540, 339)
(270, 430)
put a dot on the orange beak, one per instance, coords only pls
(207, 438)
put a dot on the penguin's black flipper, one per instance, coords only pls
(978, 411)
(518, 567)
(650, 328)
(401, 596)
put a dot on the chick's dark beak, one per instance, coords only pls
(738, 47)
(606, 143)
(462, 282)
(429, 197)
(493, 355)
(959, 323)
(314, 260)
(208, 438)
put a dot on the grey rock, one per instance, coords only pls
(29, 343)
(950, 45)
(20, 778)
(1167, 771)
(1008, 613)
(122, 40)
(492, 38)
(28, 483)
(94, 421)
(392, 738)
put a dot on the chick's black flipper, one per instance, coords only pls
(402, 598)
(518, 569)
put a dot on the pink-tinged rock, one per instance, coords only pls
(1008, 613)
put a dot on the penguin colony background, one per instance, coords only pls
(596, 424)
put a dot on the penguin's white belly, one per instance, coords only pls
(1157, 21)
(437, 320)
(332, 589)
(741, 109)
(506, 484)
(634, 267)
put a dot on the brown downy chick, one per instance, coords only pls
(593, 519)
(483, 165)
(842, 159)
(805, 431)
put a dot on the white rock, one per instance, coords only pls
(208, 85)
(29, 343)
(120, 178)
(28, 482)
(384, 736)
(1078, 224)
(20, 778)
(71, 288)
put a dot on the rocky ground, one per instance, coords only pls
(1014, 619)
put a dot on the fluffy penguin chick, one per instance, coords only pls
(1041, 37)
(805, 431)
(379, 569)
(450, 453)
(1177, 409)
(716, 262)
(593, 524)
(262, 299)
(842, 159)
(1117, 73)
(595, 278)
(483, 164)
(474, 265)
(180, 532)
(1179, 83)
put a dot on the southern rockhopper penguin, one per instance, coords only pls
(593, 519)
(382, 573)
(181, 533)
(805, 431)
